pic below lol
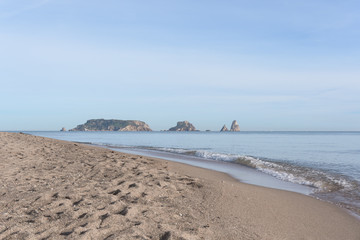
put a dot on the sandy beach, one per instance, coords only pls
(51, 189)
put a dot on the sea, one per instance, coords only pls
(325, 165)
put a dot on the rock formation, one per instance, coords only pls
(112, 125)
(224, 129)
(183, 126)
(235, 127)
(63, 129)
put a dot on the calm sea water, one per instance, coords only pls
(327, 162)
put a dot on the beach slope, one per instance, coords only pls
(53, 189)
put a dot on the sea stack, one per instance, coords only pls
(235, 127)
(63, 129)
(224, 129)
(183, 126)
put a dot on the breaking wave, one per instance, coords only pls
(320, 180)
(327, 185)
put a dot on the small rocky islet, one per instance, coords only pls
(136, 125)
(234, 127)
(183, 126)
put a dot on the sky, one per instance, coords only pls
(271, 65)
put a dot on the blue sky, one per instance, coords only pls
(272, 65)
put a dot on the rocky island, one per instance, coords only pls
(235, 127)
(112, 125)
(224, 129)
(183, 126)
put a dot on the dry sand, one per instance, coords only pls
(53, 189)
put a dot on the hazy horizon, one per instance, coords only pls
(271, 65)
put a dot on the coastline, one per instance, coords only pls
(241, 173)
(58, 189)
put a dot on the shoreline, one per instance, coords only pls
(326, 181)
(58, 189)
(302, 189)
(243, 174)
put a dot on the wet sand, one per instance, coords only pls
(53, 189)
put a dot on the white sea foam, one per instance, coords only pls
(286, 172)
(283, 171)
(173, 150)
(215, 156)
